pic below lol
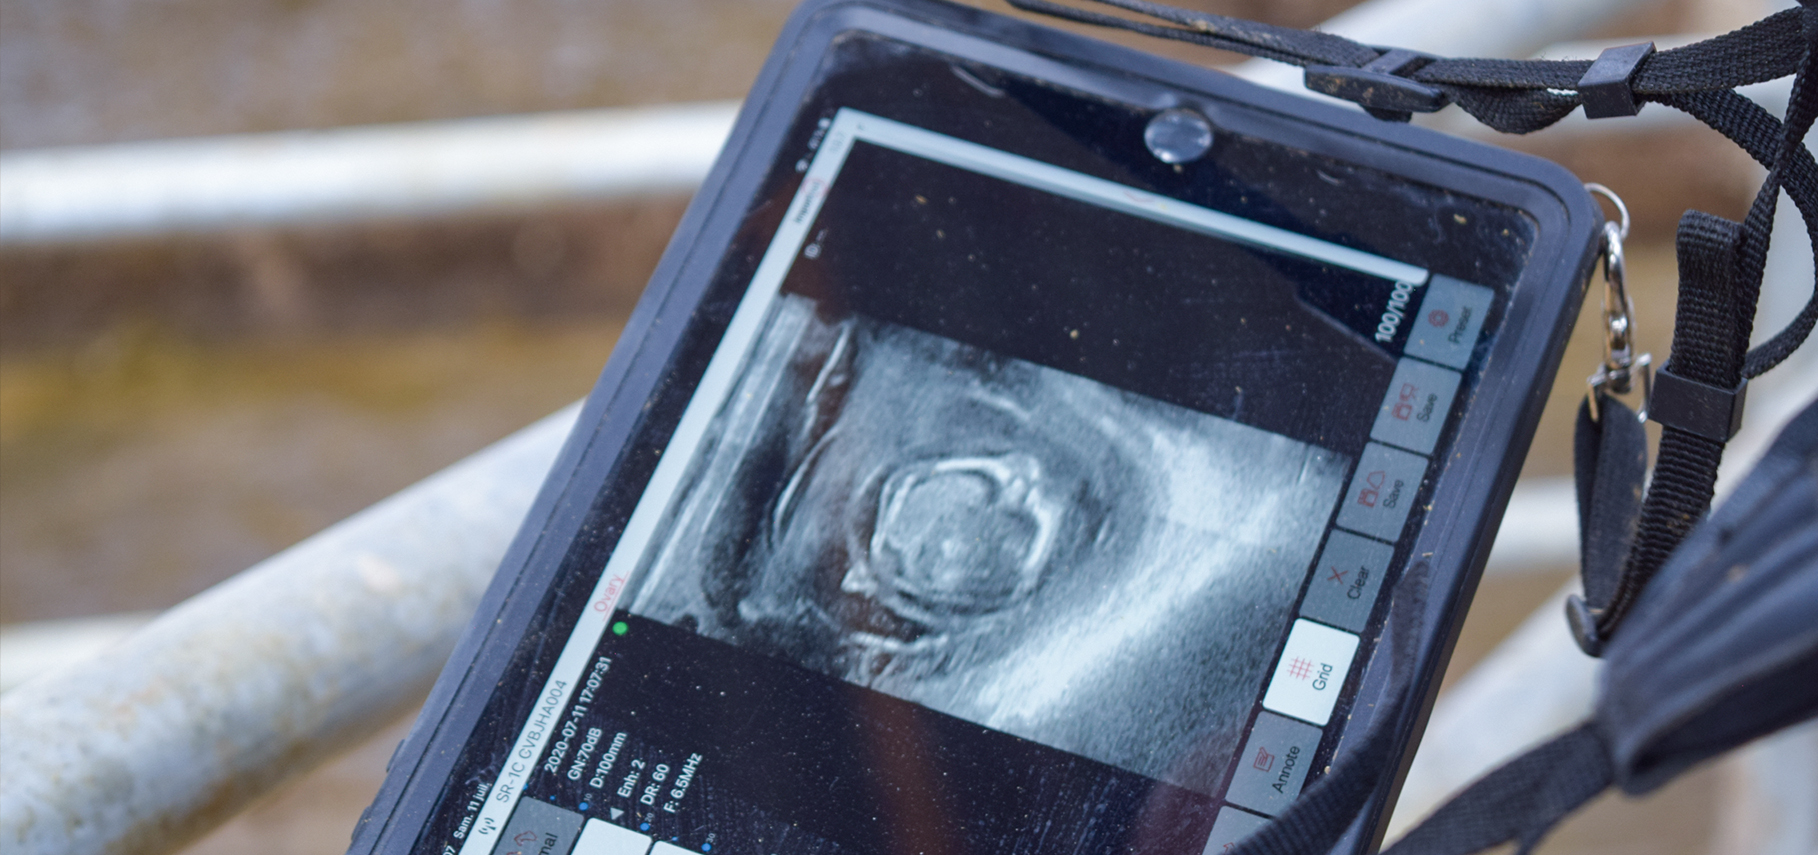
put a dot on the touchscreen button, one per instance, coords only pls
(1415, 408)
(1232, 827)
(1345, 580)
(1311, 671)
(1273, 766)
(1450, 317)
(547, 827)
(601, 838)
(1382, 491)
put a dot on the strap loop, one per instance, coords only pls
(1709, 411)
(1608, 86)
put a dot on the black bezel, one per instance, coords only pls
(1467, 495)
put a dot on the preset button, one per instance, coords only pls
(1445, 327)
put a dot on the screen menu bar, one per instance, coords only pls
(1323, 642)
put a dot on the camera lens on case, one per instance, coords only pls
(1178, 136)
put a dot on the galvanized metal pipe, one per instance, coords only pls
(152, 743)
(1768, 804)
(506, 163)
(30, 649)
(433, 168)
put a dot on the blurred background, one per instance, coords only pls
(177, 405)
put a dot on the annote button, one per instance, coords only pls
(1274, 763)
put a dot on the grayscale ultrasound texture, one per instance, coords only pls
(1003, 542)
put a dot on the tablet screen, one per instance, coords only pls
(1013, 492)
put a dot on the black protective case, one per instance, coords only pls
(1467, 498)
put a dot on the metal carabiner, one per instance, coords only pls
(1620, 363)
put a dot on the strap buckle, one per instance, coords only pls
(1380, 86)
(1621, 365)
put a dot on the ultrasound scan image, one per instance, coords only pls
(1003, 542)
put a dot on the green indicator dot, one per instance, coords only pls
(620, 628)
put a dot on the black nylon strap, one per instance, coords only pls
(1513, 96)
(1722, 651)
(1704, 349)
(1519, 801)
(1614, 450)
(1761, 135)
(1611, 458)
(1802, 109)
(1768, 49)
(1720, 268)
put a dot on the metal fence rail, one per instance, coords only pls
(522, 162)
(433, 168)
(167, 734)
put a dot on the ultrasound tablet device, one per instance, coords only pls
(1015, 452)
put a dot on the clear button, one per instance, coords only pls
(1345, 580)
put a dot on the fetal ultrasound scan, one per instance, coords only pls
(1000, 541)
